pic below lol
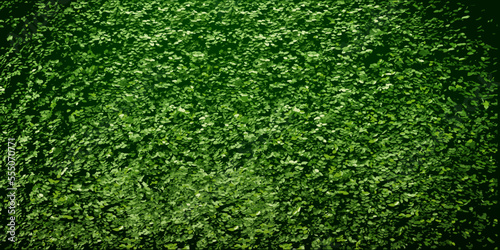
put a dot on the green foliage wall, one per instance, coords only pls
(252, 124)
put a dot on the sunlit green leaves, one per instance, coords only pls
(343, 192)
(486, 104)
(218, 132)
(393, 204)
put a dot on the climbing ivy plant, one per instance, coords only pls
(252, 125)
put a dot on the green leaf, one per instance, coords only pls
(424, 52)
(57, 151)
(244, 98)
(470, 143)
(67, 217)
(198, 54)
(129, 97)
(296, 210)
(287, 246)
(53, 181)
(486, 104)
(118, 229)
(171, 246)
(393, 204)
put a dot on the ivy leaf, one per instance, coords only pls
(129, 97)
(486, 104)
(53, 181)
(296, 210)
(470, 143)
(393, 204)
(424, 52)
(244, 98)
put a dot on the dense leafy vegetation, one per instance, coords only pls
(252, 124)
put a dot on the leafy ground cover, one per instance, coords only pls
(252, 125)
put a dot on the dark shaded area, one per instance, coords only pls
(33, 18)
(486, 29)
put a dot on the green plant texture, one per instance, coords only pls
(250, 125)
